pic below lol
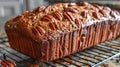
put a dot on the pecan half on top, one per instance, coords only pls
(78, 22)
(54, 25)
(84, 14)
(39, 9)
(68, 16)
(38, 31)
(57, 15)
(96, 15)
(48, 18)
(73, 10)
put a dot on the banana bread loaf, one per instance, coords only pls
(51, 32)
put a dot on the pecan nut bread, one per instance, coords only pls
(51, 32)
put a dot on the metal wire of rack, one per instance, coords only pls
(91, 57)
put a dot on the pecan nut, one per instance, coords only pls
(97, 6)
(106, 8)
(51, 25)
(31, 16)
(68, 16)
(73, 10)
(48, 18)
(113, 14)
(35, 32)
(88, 8)
(95, 15)
(39, 9)
(84, 14)
(8, 63)
(78, 23)
(57, 15)
(102, 12)
(41, 30)
(56, 25)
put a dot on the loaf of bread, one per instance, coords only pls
(51, 32)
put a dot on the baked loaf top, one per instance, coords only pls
(49, 22)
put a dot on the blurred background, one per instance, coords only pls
(12, 8)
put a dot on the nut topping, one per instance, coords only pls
(47, 18)
(31, 16)
(57, 15)
(102, 12)
(68, 16)
(40, 29)
(56, 25)
(51, 25)
(8, 63)
(95, 15)
(88, 8)
(73, 10)
(78, 23)
(112, 13)
(39, 9)
(97, 6)
(106, 8)
(35, 32)
(84, 14)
